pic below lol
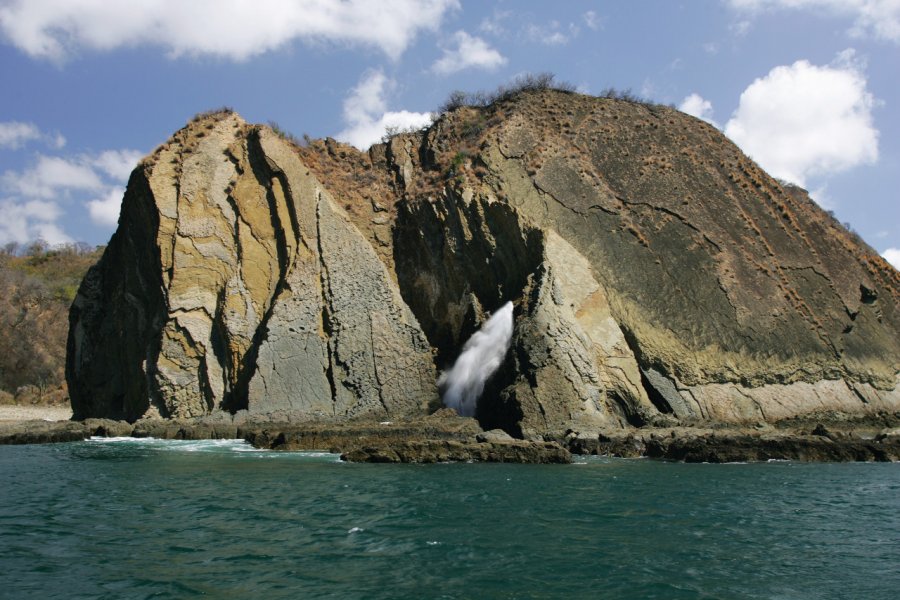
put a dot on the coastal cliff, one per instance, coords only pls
(659, 277)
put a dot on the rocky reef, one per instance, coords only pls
(660, 279)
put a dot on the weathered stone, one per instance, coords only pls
(107, 428)
(659, 278)
(271, 298)
(494, 435)
(435, 451)
(41, 432)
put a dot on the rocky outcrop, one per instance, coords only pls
(659, 278)
(444, 437)
(431, 451)
(235, 281)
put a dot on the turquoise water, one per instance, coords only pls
(153, 519)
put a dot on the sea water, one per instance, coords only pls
(165, 519)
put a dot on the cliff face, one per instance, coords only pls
(235, 281)
(658, 275)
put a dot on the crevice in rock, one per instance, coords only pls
(457, 258)
(499, 407)
(219, 345)
(239, 398)
(454, 257)
(655, 396)
(327, 322)
(635, 415)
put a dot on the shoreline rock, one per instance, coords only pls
(446, 438)
(435, 451)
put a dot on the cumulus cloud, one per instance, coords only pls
(49, 176)
(697, 106)
(467, 51)
(366, 114)
(33, 198)
(25, 222)
(117, 164)
(892, 255)
(871, 18)
(15, 134)
(233, 29)
(803, 120)
(105, 210)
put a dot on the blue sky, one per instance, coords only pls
(809, 88)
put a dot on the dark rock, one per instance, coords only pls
(41, 432)
(435, 451)
(107, 428)
(494, 435)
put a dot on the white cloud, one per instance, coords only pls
(105, 210)
(892, 255)
(494, 24)
(592, 20)
(697, 106)
(821, 197)
(366, 115)
(31, 206)
(49, 176)
(233, 29)
(468, 51)
(15, 134)
(551, 34)
(117, 164)
(25, 222)
(804, 120)
(51, 233)
(871, 18)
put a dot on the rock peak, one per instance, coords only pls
(658, 275)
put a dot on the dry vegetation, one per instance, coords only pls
(37, 284)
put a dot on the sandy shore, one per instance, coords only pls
(29, 413)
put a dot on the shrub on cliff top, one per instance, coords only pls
(523, 83)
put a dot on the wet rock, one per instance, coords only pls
(41, 432)
(107, 428)
(435, 451)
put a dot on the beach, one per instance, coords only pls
(14, 413)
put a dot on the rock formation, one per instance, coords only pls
(659, 277)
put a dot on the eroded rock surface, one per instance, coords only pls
(659, 278)
(236, 281)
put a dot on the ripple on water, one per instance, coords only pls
(141, 518)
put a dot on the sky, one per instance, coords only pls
(810, 89)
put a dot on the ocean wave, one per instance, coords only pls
(216, 446)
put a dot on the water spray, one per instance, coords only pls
(482, 355)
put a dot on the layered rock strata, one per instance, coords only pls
(659, 277)
(235, 281)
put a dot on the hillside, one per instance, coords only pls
(37, 285)
(658, 276)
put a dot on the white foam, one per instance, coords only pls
(176, 445)
(226, 445)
